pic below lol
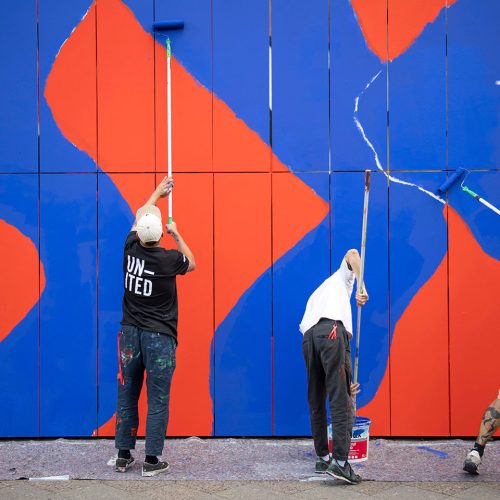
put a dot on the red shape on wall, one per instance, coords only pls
(419, 362)
(20, 290)
(474, 328)
(76, 117)
(391, 26)
(422, 384)
(125, 135)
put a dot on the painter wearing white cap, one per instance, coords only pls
(148, 336)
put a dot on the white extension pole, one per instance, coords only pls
(489, 205)
(361, 286)
(480, 200)
(169, 127)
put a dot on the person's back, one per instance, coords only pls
(150, 292)
(331, 300)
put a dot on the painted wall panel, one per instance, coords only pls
(474, 253)
(191, 412)
(300, 80)
(417, 98)
(68, 343)
(191, 383)
(74, 86)
(18, 99)
(358, 89)
(243, 295)
(253, 231)
(241, 81)
(191, 81)
(125, 87)
(19, 294)
(115, 219)
(295, 276)
(473, 69)
(347, 192)
(419, 308)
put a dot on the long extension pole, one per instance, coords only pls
(169, 127)
(480, 200)
(160, 26)
(361, 286)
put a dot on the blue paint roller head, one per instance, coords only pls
(457, 176)
(174, 24)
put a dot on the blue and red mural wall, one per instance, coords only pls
(278, 108)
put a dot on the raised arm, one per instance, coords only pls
(354, 261)
(181, 245)
(163, 189)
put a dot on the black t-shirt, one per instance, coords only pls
(150, 295)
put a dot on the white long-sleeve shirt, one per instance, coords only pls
(332, 300)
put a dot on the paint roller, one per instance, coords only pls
(461, 174)
(159, 27)
(174, 24)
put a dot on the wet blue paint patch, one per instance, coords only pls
(440, 454)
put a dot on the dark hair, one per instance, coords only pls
(151, 243)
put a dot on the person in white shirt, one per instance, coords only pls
(327, 329)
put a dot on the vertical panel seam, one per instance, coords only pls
(38, 214)
(447, 221)
(388, 160)
(214, 343)
(154, 93)
(270, 20)
(97, 221)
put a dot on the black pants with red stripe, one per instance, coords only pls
(328, 365)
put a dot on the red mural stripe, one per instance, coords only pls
(473, 275)
(19, 291)
(123, 131)
(407, 19)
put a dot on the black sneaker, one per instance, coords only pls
(344, 473)
(123, 464)
(322, 465)
(149, 470)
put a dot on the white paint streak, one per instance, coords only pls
(375, 154)
(72, 31)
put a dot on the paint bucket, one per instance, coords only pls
(360, 440)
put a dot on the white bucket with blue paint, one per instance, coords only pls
(360, 440)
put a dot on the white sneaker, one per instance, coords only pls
(472, 462)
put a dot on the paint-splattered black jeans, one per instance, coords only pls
(328, 365)
(154, 352)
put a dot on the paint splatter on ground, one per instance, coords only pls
(245, 459)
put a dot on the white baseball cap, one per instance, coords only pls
(149, 225)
